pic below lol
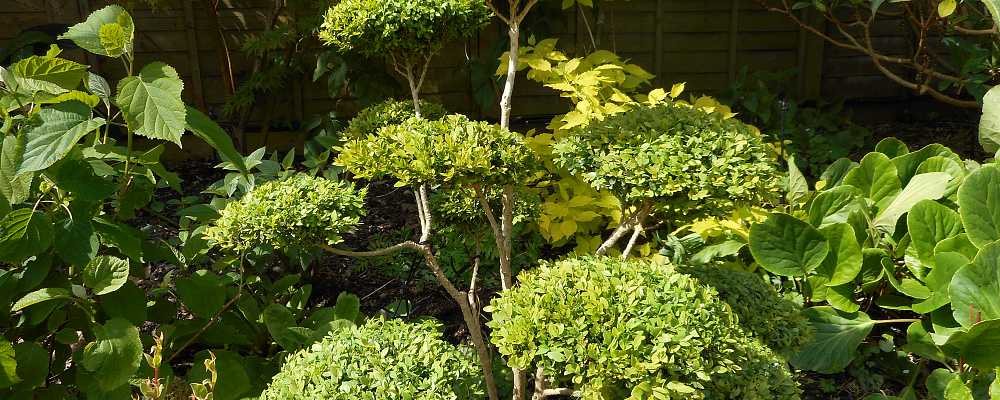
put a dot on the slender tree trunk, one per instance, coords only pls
(508, 87)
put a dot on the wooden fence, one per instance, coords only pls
(701, 42)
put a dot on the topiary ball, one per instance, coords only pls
(692, 161)
(299, 212)
(452, 151)
(382, 359)
(777, 322)
(389, 112)
(634, 328)
(408, 31)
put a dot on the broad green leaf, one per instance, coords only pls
(95, 34)
(979, 205)
(876, 177)
(15, 188)
(836, 341)
(907, 164)
(114, 355)
(989, 124)
(920, 342)
(126, 239)
(48, 74)
(947, 165)
(8, 365)
(958, 244)
(105, 274)
(908, 286)
(892, 147)
(835, 206)
(152, 102)
(979, 346)
(203, 127)
(975, 288)
(995, 386)
(929, 186)
(956, 389)
(839, 297)
(203, 293)
(798, 187)
(99, 87)
(59, 129)
(32, 365)
(233, 380)
(938, 281)
(24, 233)
(835, 173)
(843, 263)
(77, 176)
(348, 306)
(279, 319)
(994, 8)
(129, 303)
(784, 245)
(945, 9)
(928, 223)
(938, 381)
(40, 296)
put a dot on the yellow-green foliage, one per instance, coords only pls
(603, 325)
(389, 112)
(688, 159)
(452, 150)
(382, 359)
(407, 30)
(776, 321)
(298, 212)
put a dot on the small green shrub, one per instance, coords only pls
(406, 30)
(382, 359)
(689, 159)
(776, 321)
(298, 212)
(605, 325)
(452, 150)
(389, 112)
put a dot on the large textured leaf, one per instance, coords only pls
(975, 288)
(107, 32)
(24, 233)
(125, 238)
(203, 293)
(979, 346)
(843, 263)
(908, 164)
(876, 178)
(105, 274)
(233, 382)
(99, 87)
(928, 223)
(8, 365)
(32, 365)
(50, 74)
(838, 336)
(989, 124)
(114, 355)
(152, 102)
(278, 319)
(348, 306)
(929, 186)
(203, 127)
(784, 245)
(59, 129)
(75, 241)
(835, 173)
(14, 187)
(979, 205)
(892, 147)
(835, 206)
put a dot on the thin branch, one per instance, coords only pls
(631, 242)
(560, 392)
(407, 245)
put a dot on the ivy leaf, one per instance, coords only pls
(105, 274)
(835, 345)
(784, 245)
(106, 32)
(975, 288)
(979, 205)
(24, 233)
(114, 355)
(59, 129)
(152, 102)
